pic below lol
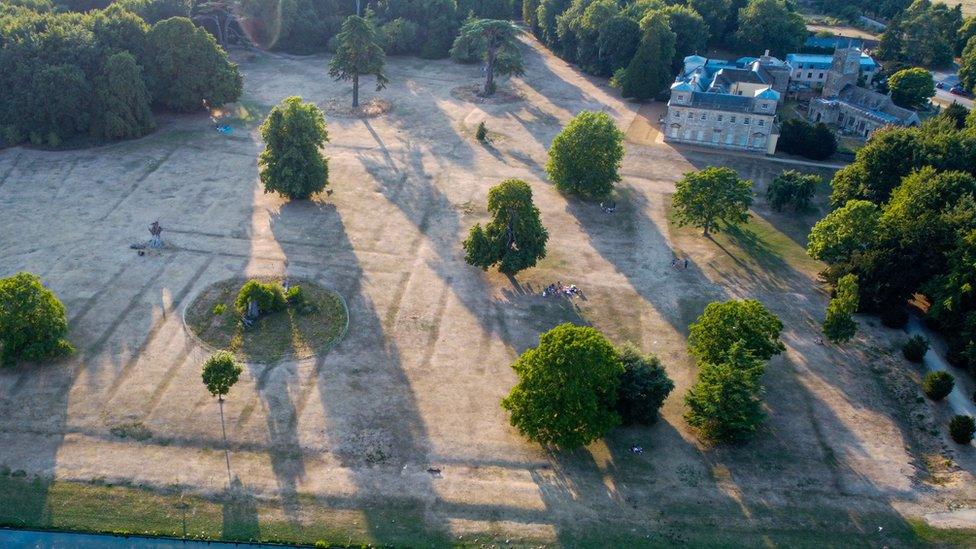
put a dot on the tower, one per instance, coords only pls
(844, 70)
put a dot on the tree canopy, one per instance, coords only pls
(567, 388)
(713, 195)
(911, 88)
(644, 386)
(722, 324)
(585, 157)
(359, 53)
(496, 43)
(792, 189)
(649, 71)
(220, 373)
(292, 163)
(514, 239)
(724, 404)
(772, 25)
(33, 322)
(854, 227)
(839, 325)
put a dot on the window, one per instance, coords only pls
(765, 106)
(732, 119)
(681, 97)
(761, 122)
(745, 121)
(704, 116)
(691, 114)
(820, 76)
(720, 117)
(676, 114)
(809, 75)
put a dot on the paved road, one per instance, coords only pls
(26, 539)
(950, 78)
(961, 397)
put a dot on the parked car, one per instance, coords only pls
(940, 85)
(957, 90)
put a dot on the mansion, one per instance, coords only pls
(732, 104)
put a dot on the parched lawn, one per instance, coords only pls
(300, 331)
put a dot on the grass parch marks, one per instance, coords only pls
(300, 331)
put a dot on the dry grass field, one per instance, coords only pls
(123, 435)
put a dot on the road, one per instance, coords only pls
(950, 78)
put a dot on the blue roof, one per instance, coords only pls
(743, 61)
(824, 61)
(835, 42)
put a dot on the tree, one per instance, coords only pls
(772, 25)
(915, 348)
(924, 34)
(792, 188)
(567, 388)
(911, 88)
(617, 42)
(358, 53)
(724, 404)
(122, 99)
(854, 227)
(889, 155)
(690, 31)
(967, 66)
(292, 163)
(814, 141)
(714, 12)
(723, 324)
(644, 386)
(220, 373)
(585, 157)
(839, 325)
(713, 195)
(649, 71)
(33, 322)
(956, 113)
(497, 42)
(514, 239)
(187, 67)
(154, 11)
(965, 32)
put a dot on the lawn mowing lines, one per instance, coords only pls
(135, 184)
(127, 368)
(10, 170)
(431, 345)
(91, 301)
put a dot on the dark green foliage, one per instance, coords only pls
(956, 113)
(967, 66)
(644, 386)
(792, 189)
(924, 34)
(33, 322)
(481, 134)
(723, 324)
(306, 26)
(496, 43)
(220, 373)
(269, 297)
(122, 100)
(567, 388)
(965, 32)
(894, 316)
(154, 11)
(530, 15)
(486, 9)
(649, 71)
(839, 325)
(585, 157)
(292, 163)
(690, 31)
(713, 195)
(962, 428)
(547, 13)
(724, 404)
(514, 239)
(295, 296)
(938, 385)
(359, 53)
(911, 88)
(814, 141)
(400, 36)
(915, 348)
(772, 25)
(715, 13)
(617, 42)
(187, 67)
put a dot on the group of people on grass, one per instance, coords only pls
(561, 290)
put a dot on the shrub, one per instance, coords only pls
(962, 428)
(792, 188)
(644, 386)
(482, 132)
(938, 385)
(295, 296)
(915, 348)
(219, 309)
(724, 404)
(802, 138)
(33, 322)
(220, 373)
(269, 297)
(894, 317)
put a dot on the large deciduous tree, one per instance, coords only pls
(496, 42)
(585, 157)
(855, 227)
(792, 189)
(358, 53)
(123, 100)
(292, 163)
(772, 25)
(187, 68)
(644, 386)
(33, 322)
(713, 195)
(724, 404)
(722, 324)
(514, 239)
(911, 88)
(567, 388)
(690, 31)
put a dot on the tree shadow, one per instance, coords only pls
(239, 514)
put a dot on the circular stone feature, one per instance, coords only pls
(472, 94)
(305, 327)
